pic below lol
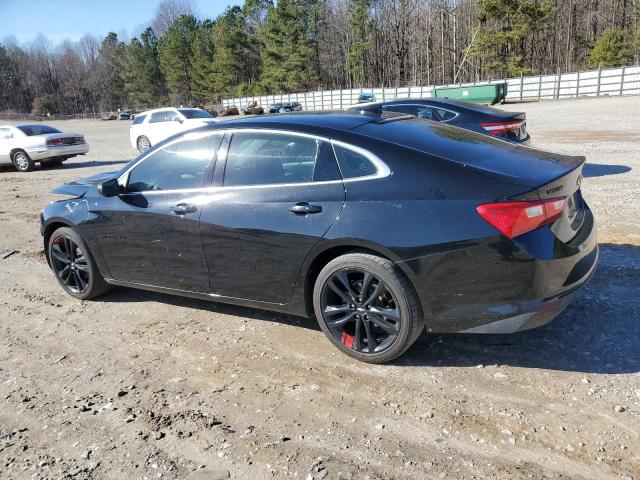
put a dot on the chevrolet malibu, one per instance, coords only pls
(24, 145)
(380, 226)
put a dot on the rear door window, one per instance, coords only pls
(444, 115)
(138, 119)
(5, 134)
(257, 158)
(158, 117)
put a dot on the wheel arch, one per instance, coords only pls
(48, 230)
(330, 250)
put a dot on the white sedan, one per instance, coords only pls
(153, 126)
(24, 145)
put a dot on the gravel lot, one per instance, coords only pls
(143, 385)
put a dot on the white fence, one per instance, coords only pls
(616, 81)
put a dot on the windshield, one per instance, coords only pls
(194, 113)
(31, 130)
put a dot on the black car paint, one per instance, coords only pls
(468, 115)
(422, 216)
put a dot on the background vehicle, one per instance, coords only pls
(153, 126)
(377, 225)
(366, 97)
(24, 145)
(511, 126)
(125, 115)
(290, 107)
(228, 111)
(275, 108)
(108, 116)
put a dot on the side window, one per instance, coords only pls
(353, 164)
(444, 115)
(5, 134)
(172, 115)
(177, 166)
(406, 109)
(277, 158)
(158, 117)
(425, 112)
(139, 119)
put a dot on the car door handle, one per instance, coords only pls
(182, 208)
(303, 208)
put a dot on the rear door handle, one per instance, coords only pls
(183, 208)
(303, 208)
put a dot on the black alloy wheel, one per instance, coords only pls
(70, 264)
(366, 307)
(74, 266)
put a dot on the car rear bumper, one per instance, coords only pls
(497, 285)
(44, 153)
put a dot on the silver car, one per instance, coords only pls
(24, 145)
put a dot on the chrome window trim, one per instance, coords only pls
(382, 170)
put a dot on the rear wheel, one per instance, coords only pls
(367, 307)
(143, 144)
(73, 265)
(22, 161)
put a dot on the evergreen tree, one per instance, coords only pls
(112, 59)
(611, 49)
(287, 55)
(202, 63)
(176, 49)
(143, 80)
(360, 25)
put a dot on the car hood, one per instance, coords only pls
(80, 187)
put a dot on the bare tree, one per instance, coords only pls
(168, 12)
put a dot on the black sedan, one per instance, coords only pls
(275, 108)
(511, 126)
(380, 226)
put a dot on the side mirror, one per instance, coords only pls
(177, 119)
(110, 188)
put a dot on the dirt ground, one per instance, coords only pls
(141, 385)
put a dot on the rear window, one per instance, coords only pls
(31, 130)
(194, 113)
(139, 119)
(353, 164)
(444, 115)
(158, 117)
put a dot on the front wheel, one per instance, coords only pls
(367, 307)
(73, 265)
(143, 144)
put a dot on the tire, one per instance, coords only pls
(22, 161)
(389, 295)
(143, 144)
(82, 280)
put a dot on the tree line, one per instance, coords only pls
(265, 47)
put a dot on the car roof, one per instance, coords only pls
(333, 120)
(154, 110)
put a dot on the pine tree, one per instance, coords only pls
(112, 59)
(287, 56)
(143, 80)
(361, 44)
(611, 49)
(175, 59)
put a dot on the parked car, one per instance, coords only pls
(253, 109)
(290, 107)
(378, 226)
(153, 126)
(275, 108)
(366, 97)
(510, 126)
(125, 115)
(24, 145)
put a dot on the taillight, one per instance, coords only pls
(516, 218)
(499, 128)
(54, 142)
(78, 140)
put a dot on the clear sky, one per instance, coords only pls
(60, 19)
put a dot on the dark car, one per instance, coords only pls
(366, 97)
(275, 108)
(125, 115)
(511, 126)
(380, 226)
(290, 107)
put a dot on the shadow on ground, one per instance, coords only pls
(597, 170)
(598, 333)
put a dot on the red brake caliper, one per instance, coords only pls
(346, 340)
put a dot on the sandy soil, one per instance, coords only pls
(142, 385)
